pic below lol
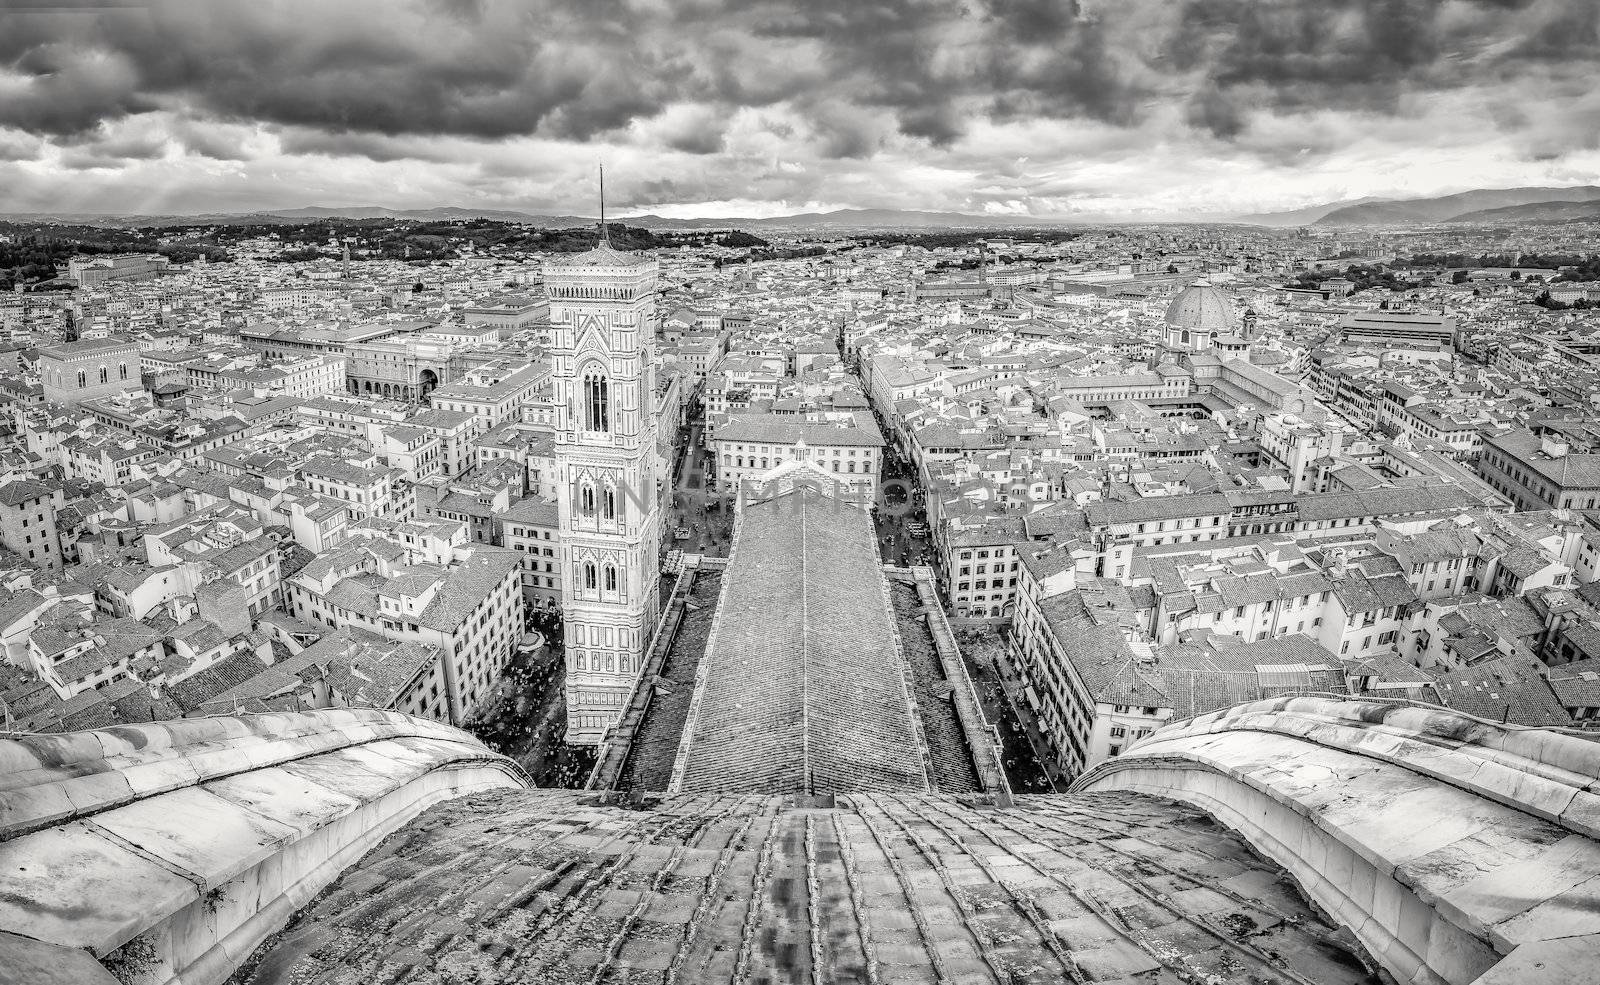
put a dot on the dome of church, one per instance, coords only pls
(1203, 307)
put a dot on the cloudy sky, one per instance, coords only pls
(746, 107)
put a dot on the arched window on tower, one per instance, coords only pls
(589, 575)
(608, 502)
(103, 374)
(586, 498)
(83, 379)
(596, 402)
(122, 370)
(611, 578)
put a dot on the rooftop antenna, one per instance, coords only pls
(605, 236)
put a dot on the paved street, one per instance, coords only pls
(695, 508)
(897, 484)
(1029, 765)
(897, 545)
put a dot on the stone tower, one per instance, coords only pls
(603, 343)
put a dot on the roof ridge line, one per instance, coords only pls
(805, 650)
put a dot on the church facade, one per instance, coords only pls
(601, 313)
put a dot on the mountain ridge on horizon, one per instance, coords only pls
(845, 218)
(1349, 212)
(1445, 208)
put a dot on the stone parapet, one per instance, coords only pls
(1458, 850)
(169, 851)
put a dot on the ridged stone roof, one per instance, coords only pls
(557, 887)
(803, 686)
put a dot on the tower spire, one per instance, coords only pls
(605, 236)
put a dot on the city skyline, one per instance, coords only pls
(1055, 110)
(1005, 491)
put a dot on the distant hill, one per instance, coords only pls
(1447, 207)
(841, 220)
(286, 216)
(853, 219)
(1546, 204)
(130, 221)
(445, 213)
(1299, 217)
(1534, 212)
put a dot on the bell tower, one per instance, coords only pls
(602, 305)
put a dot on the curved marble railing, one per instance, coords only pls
(1458, 850)
(169, 851)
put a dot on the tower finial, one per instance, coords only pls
(605, 235)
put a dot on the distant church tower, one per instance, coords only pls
(603, 345)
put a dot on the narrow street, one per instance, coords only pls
(695, 507)
(894, 515)
(1029, 765)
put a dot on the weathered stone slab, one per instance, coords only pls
(212, 840)
(29, 962)
(69, 885)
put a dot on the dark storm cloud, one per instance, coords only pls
(372, 146)
(934, 63)
(65, 90)
(209, 140)
(133, 147)
(361, 76)
(1363, 54)
(1211, 109)
(1572, 29)
(488, 71)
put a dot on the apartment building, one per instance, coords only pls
(472, 610)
